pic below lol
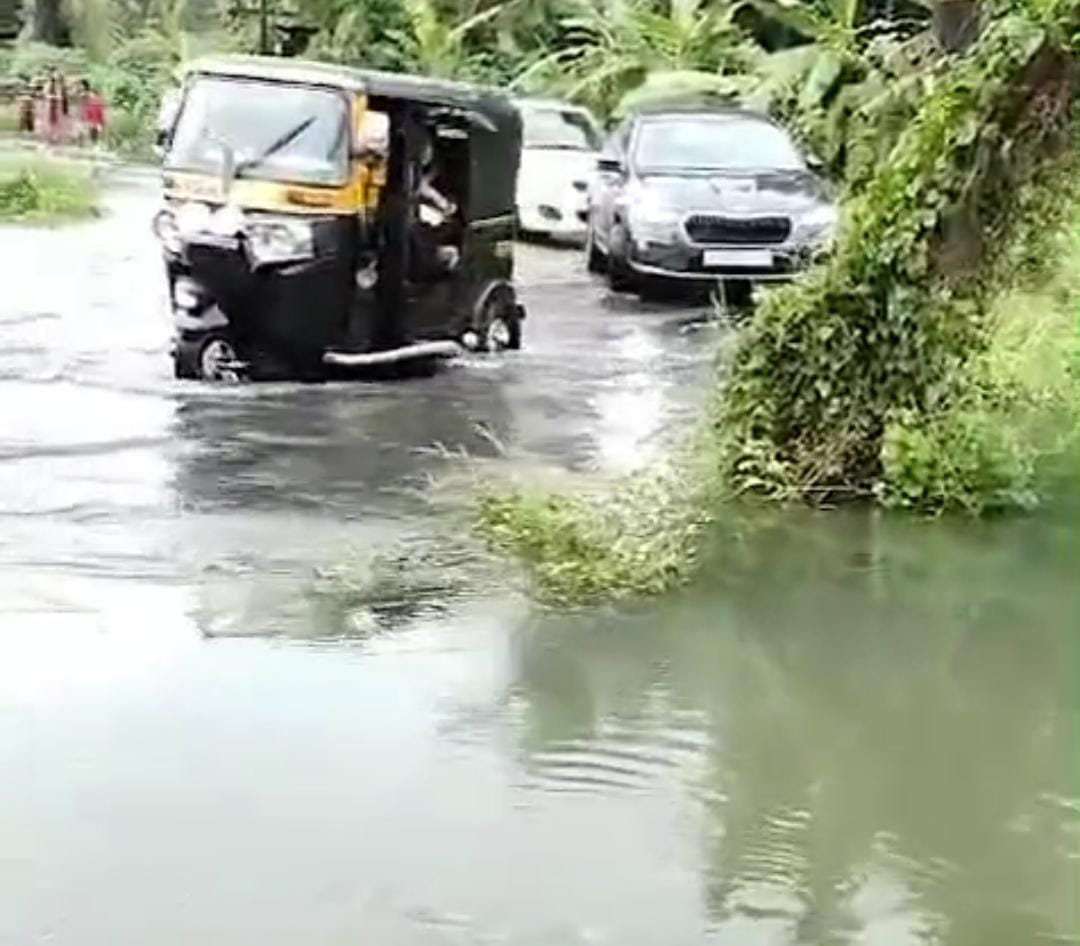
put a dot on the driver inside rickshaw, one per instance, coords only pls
(434, 242)
(433, 231)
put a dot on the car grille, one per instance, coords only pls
(740, 231)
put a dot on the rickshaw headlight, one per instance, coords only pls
(279, 241)
(166, 230)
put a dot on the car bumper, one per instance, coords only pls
(685, 261)
(566, 218)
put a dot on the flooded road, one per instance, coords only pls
(252, 690)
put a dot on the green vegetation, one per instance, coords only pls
(889, 333)
(9, 119)
(639, 540)
(45, 191)
(996, 445)
(130, 52)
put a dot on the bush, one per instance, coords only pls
(890, 328)
(46, 191)
(995, 446)
(36, 60)
(9, 118)
(130, 134)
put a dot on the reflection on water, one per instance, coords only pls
(890, 716)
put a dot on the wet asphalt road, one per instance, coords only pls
(117, 481)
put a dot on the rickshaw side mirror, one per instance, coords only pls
(609, 164)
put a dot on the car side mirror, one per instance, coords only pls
(608, 164)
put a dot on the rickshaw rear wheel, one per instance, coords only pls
(500, 324)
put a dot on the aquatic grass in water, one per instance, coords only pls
(636, 539)
(43, 190)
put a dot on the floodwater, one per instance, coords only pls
(257, 686)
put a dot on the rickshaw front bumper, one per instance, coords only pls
(297, 305)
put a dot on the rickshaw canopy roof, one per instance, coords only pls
(496, 107)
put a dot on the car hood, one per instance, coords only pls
(551, 169)
(759, 192)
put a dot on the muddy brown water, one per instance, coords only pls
(854, 729)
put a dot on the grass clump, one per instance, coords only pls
(46, 191)
(640, 540)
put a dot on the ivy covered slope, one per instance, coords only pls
(872, 376)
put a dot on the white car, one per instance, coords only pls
(561, 144)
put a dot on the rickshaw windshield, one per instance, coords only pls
(264, 130)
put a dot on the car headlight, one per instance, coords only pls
(279, 241)
(652, 219)
(166, 230)
(817, 226)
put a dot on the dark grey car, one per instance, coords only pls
(705, 194)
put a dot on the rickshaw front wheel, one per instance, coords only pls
(210, 357)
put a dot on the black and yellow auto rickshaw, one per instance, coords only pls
(318, 218)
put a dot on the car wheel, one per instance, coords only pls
(621, 278)
(594, 258)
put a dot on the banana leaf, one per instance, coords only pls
(681, 86)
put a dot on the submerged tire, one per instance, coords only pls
(595, 261)
(621, 278)
(500, 324)
(209, 357)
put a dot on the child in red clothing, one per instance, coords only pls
(93, 113)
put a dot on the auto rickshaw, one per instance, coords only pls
(298, 229)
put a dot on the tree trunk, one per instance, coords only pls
(50, 24)
(956, 24)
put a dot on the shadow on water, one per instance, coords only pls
(877, 717)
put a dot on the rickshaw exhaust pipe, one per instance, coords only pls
(349, 359)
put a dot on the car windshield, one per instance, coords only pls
(696, 142)
(275, 132)
(556, 128)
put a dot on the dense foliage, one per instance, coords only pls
(884, 336)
